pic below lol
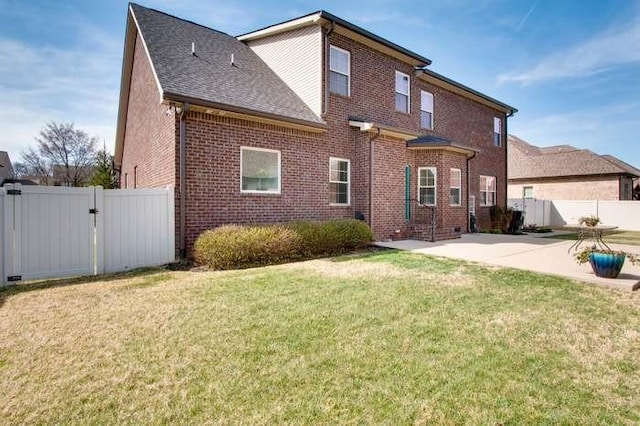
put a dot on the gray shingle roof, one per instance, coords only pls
(209, 77)
(6, 168)
(529, 161)
(622, 165)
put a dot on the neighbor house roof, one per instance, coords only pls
(6, 169)
(622, 165)
(529, 161)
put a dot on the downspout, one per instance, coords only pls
(326, 68)
(506, 157)
(183, 173)
(469, 191)
(371, 158)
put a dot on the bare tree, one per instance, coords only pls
(63, 153)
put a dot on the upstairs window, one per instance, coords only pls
(259, 170)
(455, 182)
(427, 186)
(339, 71)
(527, 192)
(402, 92)
(497, 132)
(339, 181)
(487, 190)
(426, 110)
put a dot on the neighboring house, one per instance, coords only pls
(312, 118)
(564, 172)
(6, 168)
(75, 176)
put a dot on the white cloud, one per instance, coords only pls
(612, 48)
(41, 84)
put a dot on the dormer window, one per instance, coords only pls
(402, 92)
(339, 71)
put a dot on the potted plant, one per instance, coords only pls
(589, 221)
(605, 263)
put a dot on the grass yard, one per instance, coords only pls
(386, 337)
(620, 237)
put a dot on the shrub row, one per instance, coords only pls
(237, 246)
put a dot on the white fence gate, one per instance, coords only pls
(52, 232)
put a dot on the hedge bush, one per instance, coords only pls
(233, 246)
(236, 246)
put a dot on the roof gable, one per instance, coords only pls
(198, 64)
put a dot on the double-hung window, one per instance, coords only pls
(259, 170)
(339, 181)
(339, 71)
(487, 190)
(402, 92)
(427, 186)
(497, 132)
(455, 182)
(426, 110)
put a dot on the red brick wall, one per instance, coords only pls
(447, 217)
(213, 174)
(456, 118)
(150, 134)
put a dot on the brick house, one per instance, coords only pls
(563, 172)
(312, 118)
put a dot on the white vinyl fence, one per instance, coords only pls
(52, 232)
(557, 213)
(536, 212)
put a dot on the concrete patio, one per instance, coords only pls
(530, 252)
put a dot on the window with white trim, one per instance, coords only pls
(339, 181)
(527, 192)
(426, 110)
(259, 170)
(497, 132)
(427, 185)
(402, 92)
(455, 183)
(487, 190)
(339, 71)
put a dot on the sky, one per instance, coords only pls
(571, 67)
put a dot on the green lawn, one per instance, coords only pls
(620, 237)
(386, 337)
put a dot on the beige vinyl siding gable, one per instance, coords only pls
(296, 57)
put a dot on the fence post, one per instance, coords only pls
(171, 224)
(11, 232)
(3, 277)
(98, 235)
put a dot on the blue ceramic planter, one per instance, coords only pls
(606, 265)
